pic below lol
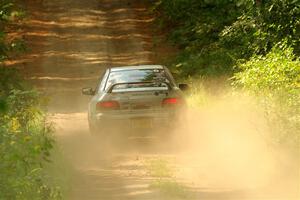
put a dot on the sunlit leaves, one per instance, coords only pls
(6, 7)
(278, 70)
(205, 29)
(275, 79)
(9, 13)
(25, 140)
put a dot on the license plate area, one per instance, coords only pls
(142, 123)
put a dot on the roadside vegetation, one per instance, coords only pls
(165, 181)
(25, 135)
(214, 36)
(253, 44)
(275, 80)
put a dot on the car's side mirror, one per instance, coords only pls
(184, 87)
(88, 91)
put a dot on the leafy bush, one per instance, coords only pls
(25, 141)
(215, 34)
(9, 13)
(261, 26)
(275, 79)
(195, 27)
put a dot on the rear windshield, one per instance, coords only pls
(128, 79)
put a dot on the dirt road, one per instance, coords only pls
(70, 43)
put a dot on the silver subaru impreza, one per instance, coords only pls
(128, 98)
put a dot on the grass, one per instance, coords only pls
(165, 181)
(206, 91)
(171, 189)
(59, 171)
(159, 168)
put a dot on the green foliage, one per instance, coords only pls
(195, 27)
(5, 11)
(215, 34)
(25, 141)
(172, 189)
(6, 7)
(275, 79)
(8, 14)
(2, 105)
(159, 168)
(25, 136)
(278, 71)
(261, 26)
(165, 182)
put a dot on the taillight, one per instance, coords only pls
(108, 105)
(172, 102)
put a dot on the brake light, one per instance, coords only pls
(108, 105)
(172, 101)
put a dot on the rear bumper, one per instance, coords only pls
(128, 121)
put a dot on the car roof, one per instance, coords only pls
(125, 68)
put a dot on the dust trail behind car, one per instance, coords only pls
(227, 144)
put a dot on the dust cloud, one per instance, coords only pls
(226, 145)
(223, 150)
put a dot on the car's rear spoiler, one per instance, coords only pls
(110, 89)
